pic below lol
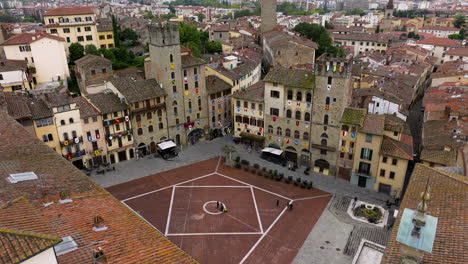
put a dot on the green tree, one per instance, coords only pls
(76, 51)
(328, 25)
(6, 17)
(200, 16)
(129, 37)
(91, 49)
(172, 9)
(167, 16)
(455, 36)
(460, 20)
(116, 31)
(356, 11)
(194, 48)
(377, 29)
(213, 46)
(108, 54)
(149, 15)
(29, 19)
(242, 13)
(318, 34)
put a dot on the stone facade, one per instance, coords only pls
(219, 103)
(185, 95)
(288, 106)
(92, 67)
(268, 15)
(332, 94)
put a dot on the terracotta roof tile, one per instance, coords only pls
(373, 124)
(448, 196)
(107, 102)
(353, 116)
(86, 109)
(446, 42)
(457, 52)
(137, 90)
(255, 92)
(214, 84)
(28, 38)
(291, 77)
(76, 10)
(394, 148)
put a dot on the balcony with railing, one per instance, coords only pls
(71, 142)
(149, 107)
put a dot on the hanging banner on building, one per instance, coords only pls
(98, 136)
(96, 153)
(65, 143)
(127, 118)
(90, 138)
(353, 135)
(296, 142)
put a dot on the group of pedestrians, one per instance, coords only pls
(289, 205)
(221, 207)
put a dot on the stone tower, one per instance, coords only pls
(166, 67)
(389, 10)
(268, 15)
(331, 96)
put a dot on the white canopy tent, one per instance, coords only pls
(273, 151)
(166, 145)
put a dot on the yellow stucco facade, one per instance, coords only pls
(47, 132)
(105, 40)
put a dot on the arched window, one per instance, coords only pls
(138, 118)
(174, 103)
(298, 115)
(309, 97)
(62, 122)
(299, 96)
(288, 132)
(325, 119)
(305, 136)
(171, 58)
(270, 129)
(296, 134)
(290, 95)
(149, 115)
(327, 101)
(150, 129)
(65, 136)
(71, 120)
(278, 131)
(50, 137)
(323, 142)
(307, 117)
(140, 131)
(175, 111)
(324, 135)
(74, 135)
(288, 113)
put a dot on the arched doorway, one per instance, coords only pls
(131, 153)
(305, 157)
(142, 150)
(322, 165)
(290, 154)
(274, 145)
(195, 135)
(153, 147)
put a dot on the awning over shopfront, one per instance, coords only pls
(166, 144)
(272, 151)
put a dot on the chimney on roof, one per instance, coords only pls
(99, 224)
(99, 257)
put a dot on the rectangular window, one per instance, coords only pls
(392, 175)
(68, 39)
(196, 84)
(66, 30)
(77, 19)
(89, 37)
(94, 119)
(238, 103)
(1, 77)
(80, 38)
(275, 94)
(78, 29)
(364, 168)
(330, 80)
(88, 18)
(51, 21)
(368, 138)
(102, 37)
(246, 104)
(343, 143)
(109, 36)
(366, 154)
(195, 71)
(260, 107)
(186, 86)
(87, 29)
(384, 159)
(274, 111)
(382, 173)
(252, 106)
(394, 161)
(86, 120)
(53, 31)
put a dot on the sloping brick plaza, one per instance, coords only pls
(181, 204)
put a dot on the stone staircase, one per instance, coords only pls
(376, 235)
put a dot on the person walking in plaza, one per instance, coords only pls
(217, 204)
(221, 207)
(277, 203)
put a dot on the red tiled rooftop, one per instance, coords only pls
(28, 38)
(64, 11)
(446, 42)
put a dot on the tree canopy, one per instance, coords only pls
(91, 49)
(192, 38)
(128, 37)
(213, 46)
(76, 51)
(356, 11)
(318, 34)
(459, 20)
(290, 9)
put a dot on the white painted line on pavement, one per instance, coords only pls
(279, 195)
(256, 210)
(170, 211)
(261, 238)
(313, 197)
(167, 187)
(212, 186)
(142, 217)
(215, 234)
